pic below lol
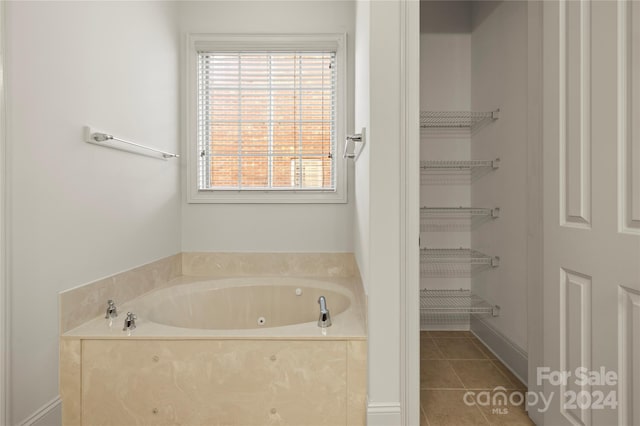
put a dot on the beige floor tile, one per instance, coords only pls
(450, 334)
(447, 408)
(438, 374)
(429, 350)
(517, 383)
(483, 348)
(456, 348)
(505, 413)
(480, 374)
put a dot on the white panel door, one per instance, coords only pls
(591, 196)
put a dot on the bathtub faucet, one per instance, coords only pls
(130, 322)
(112, 311)
(325, 316)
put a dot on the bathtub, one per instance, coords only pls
(241, 350)
(265, 307)
(244, 303)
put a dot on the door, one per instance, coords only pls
(591, 110)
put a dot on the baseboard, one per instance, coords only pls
(446, 327)
(49, 414)
(514, 357)
(383, 414)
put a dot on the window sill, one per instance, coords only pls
(266, 197)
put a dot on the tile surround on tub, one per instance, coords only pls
(97, 367)
(215, 382)
(356, 382)
(83, 303)
(70, 381)
(226, 264)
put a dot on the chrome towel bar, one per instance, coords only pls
(98, 138)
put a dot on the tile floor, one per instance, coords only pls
(453, 363)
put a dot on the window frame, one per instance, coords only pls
(257, 42)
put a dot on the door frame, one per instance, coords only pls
(534, 220)
(410, 204)
(5, 370)
(409, 211)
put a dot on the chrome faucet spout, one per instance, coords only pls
(325, 316)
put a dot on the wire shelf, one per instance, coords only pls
(454, 262)
(442, 172)
(459, 165)
(456, 119)
(436, 303)
(455, 219)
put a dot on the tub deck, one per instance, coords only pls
(161, 374)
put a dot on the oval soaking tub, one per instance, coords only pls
(242, 303)
(222, 351)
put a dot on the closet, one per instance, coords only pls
(473, 100)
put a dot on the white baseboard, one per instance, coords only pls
(511, 355)
(50, 414)
(384, 414)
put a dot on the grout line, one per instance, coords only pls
(467, 359)
(494, 362)
(517, 385)
(483, 348)
(435, 339)
(475, 343)
(435, 346)
(445, 358)
(446, 389)
(490, 389)
(424, 414)
(482, 416)
(457, 375)
(511, 386)
(486, 419)
(486, 358)
(448, 337)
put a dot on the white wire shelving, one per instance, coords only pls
(465, 166)
(461, 171)
(462, 262)
(455, 219)
(436, 306)
(456, 119)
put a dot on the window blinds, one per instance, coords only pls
(267, 121)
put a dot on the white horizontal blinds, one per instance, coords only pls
(267, 120)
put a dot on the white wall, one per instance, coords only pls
(362, 108)
(445, 17)
(277, 227)
(499, 79)
(79, 212)
(378, 200)
(445, 85)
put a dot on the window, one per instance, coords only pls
(266, 119)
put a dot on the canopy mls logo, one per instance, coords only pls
(500, 399)
(581, 376)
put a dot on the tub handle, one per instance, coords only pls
(112, 311)
(130, 322)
